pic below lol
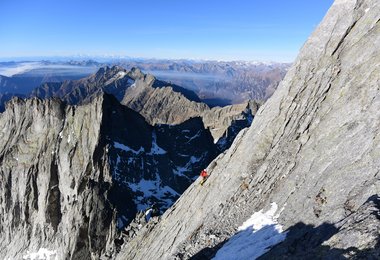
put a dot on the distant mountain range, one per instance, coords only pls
(215, 83)
(218, 83)
(76, 148)
(158, 101)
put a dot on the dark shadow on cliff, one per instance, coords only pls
(306, 241)
(299, 237)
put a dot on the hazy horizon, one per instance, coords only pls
(198, 30)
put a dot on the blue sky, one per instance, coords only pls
(198, 29)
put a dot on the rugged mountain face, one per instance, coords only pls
(110, 80)
(158, 101)
(5, 97)
(313, 150)
(72, 175)
(160, 105)
(54, 189)
(164, 105)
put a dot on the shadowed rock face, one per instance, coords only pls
(161, 104)
(356, 236)
(158, 101)
(313, 149)
(54, 184)
(71, 175)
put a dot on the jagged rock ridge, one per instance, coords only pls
(313, 150)
(163, 105)
(110, 80)
(158, 101)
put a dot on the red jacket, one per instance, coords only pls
(204, 174)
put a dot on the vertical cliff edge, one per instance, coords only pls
(54, 180)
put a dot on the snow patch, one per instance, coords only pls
(119, 75)
(152, 188)
(183, 171)
(255, 237)
(42, 254)
(127, 148)
(180, 171)
(155, 148)
(148, 214)
(198, 134)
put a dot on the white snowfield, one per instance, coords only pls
(42, 254)
(254, 238)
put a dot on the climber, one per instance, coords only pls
(204, 176)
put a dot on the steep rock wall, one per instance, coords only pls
(313, 149)
(54, 180)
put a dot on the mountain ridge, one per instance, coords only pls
(98, 162)
(308, 151)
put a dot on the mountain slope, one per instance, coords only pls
(164, 105)
(313, 150)
(110, 80)
(8, 85)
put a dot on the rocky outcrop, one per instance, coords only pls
(160, 105)
(5, 97)
(54, 180)
(71, 176)
(225, 123)
(163, 105)
(313, 150)
(110, 80)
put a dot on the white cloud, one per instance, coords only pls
(19, 68)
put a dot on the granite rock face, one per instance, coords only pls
(313, 149)
(54, 184)
(72, 176)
